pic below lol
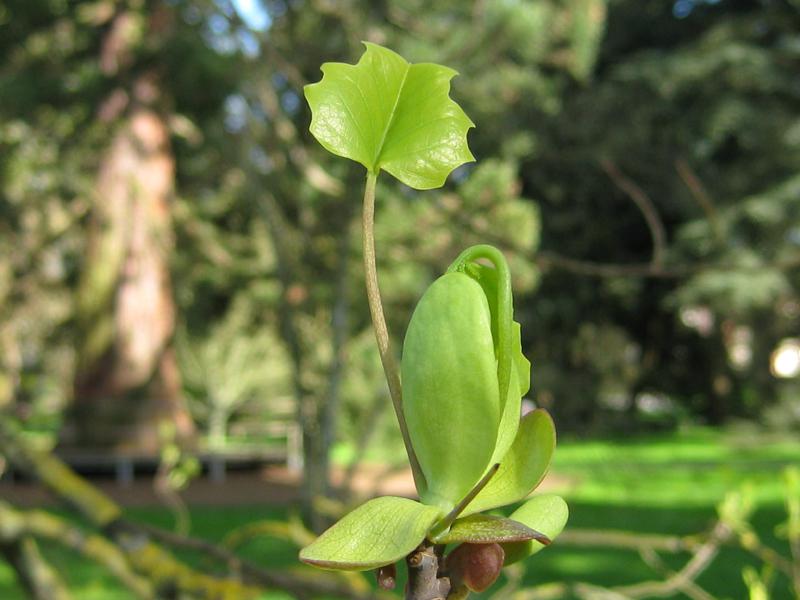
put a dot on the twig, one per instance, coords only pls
(424, 579)
(547, 260)
(645, 205)
(35, 575)
(148, 559)
(700, 194)
(47, 526)
(318, 584)
(588, 538)
(683, 580)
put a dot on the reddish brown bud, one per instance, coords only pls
(475, 565)
(387, 577)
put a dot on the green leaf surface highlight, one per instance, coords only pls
(547, 514)
(485, 529)
(377, 533)
(386, 113)
(523, 467)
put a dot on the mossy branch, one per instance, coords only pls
(129, 544)
(35, 575)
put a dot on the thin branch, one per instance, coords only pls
(645, 205)
(44, 525)
(34, 574)
(424, 578)
(683, 580)
(547, 260)
(312, 584)
(700, 194)
(593, 538)
(145, 557)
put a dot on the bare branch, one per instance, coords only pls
(315, 583)
(645, 205)
(35, 575)
(683, 580)
(55, 529)
(145, 557)
(593, 538)
(547, 260)
(700, 194)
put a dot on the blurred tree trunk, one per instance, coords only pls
(127, 381)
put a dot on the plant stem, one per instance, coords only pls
(390, 368)
(424, 578)
(450, 518)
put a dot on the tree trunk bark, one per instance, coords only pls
(127, 380)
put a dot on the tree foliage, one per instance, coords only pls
(637, 164)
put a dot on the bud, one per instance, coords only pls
(463, 375)
(475, 565)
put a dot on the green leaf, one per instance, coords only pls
(518, 385)
(485, 529)
(523, 467)
(513, 369)
(388, 114)
(377, 533)
(450, 390)
(547, 514)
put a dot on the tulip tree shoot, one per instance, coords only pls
(463, 371)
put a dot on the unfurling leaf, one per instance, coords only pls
(513, 369)
(475, 565)
(483, 529)
(548, 514)
(450, 391)
(377, 533)
(388, 114)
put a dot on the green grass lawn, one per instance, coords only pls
(667, 484)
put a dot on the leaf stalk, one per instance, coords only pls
(388, 360)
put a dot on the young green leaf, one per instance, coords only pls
(388, 114)
(483, 529)
(450, 391)
(377, 533)
(548, 514)
(523, 467)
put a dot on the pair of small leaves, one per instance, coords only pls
(388, 114)
(385, 530)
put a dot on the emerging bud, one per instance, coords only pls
(475, 565)
(387, 577)
(463, 375)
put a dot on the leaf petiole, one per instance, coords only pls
(388, 360)
(443, 525)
